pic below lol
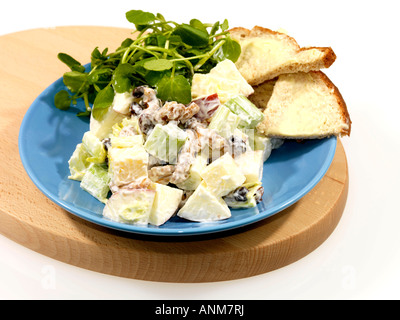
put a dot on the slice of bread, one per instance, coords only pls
(305, 106)
(262, 93)
(267, 54)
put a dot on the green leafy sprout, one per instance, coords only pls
(164, 55)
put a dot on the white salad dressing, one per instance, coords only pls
(159, 159)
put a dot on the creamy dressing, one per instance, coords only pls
(144, 185)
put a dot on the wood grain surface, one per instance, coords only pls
(28, 65)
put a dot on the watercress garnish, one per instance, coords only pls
(164, 55)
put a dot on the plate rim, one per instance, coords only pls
(155, 231)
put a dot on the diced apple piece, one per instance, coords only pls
(194, 179)
(127, 164)
(224, 79)
(130, 206)
(223, 175)
(102, 129)
(257, 141)
(165, 141)
(122, 102)
(204, 206)
(251, 164)
(166, 202)
(127, 141)
(208, 105)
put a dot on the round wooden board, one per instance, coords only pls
(28, 65)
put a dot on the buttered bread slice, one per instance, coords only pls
(305, 106)
(267, 54)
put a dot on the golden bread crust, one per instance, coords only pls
(339, 98)
(326, 57)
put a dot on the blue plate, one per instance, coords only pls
(48, 137)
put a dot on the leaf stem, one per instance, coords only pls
(148, 50)
(208, 55)
(86, 100)
(219, 34)
(124, 57)
(186, 60)
(166, 47)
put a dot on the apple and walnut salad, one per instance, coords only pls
(154, 151)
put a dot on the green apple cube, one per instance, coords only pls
(96, 182)
(94, 147)
(223, 175)
(251, 164)
(194, 179)
(204, 206)
(166, 203)
(130, 206)
(165, 141)
(224, 122)
(249, 114)
(77, 163)
(257, 141)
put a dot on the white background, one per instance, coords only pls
(361, 259)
